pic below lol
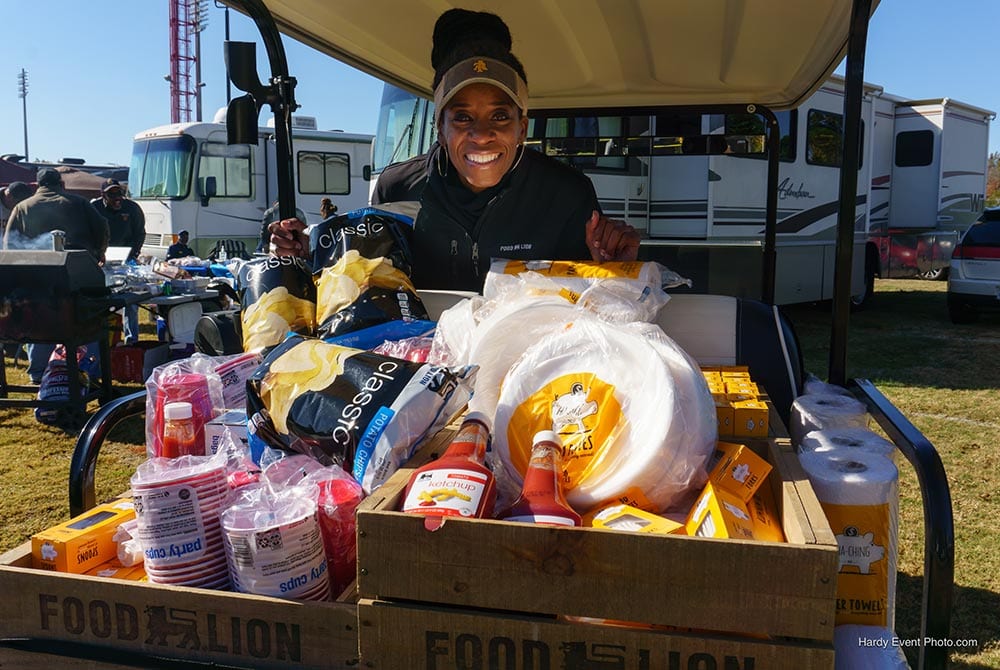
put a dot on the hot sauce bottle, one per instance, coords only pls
(542, 500)
(179, 437)
(458, 483)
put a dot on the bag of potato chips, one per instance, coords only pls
(277, 295)
(358, 409)
(358, 292)
(370, 231)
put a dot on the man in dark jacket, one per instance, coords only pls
(50, 208)
(126, 221)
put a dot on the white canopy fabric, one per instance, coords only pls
(601, 53)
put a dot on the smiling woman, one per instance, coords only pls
(482, 193)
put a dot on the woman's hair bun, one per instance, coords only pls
(458, 28)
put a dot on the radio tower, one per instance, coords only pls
(184, 25)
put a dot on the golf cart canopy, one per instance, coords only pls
(601, 53)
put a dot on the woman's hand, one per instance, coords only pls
(288, 238)
(611, 239)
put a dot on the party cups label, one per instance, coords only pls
(171, 526)
(285, 560)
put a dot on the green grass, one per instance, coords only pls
(944, 378)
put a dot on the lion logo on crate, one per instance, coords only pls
(858, 551)
(163, 623)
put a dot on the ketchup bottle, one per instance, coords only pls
(179, 436)
(458, 483)
(542, 500)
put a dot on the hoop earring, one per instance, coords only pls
(520, 155)
(437, 159)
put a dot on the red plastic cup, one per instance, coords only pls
(192, 388)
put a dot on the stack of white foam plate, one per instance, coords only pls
(275, 548)
(177, 503)
(633, 411)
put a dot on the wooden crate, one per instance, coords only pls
(483, 585)
(118, 620)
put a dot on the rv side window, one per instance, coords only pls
(324, 173)
(914, 148)
(824, 139)
(754, 124)
(230, 165)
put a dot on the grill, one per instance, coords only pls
(49, 296)
(56, 297)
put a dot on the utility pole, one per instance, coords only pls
(229, 84)
(200, 23)
(22, 92)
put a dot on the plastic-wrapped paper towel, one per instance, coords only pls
(860, 439)
(633, 410)
(855, 650)
(824, 411)
(859, 494)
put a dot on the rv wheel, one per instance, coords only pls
(863, 299)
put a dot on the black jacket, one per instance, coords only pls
(127, 225)
(538, 212)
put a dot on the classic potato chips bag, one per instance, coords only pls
(355, 408)
(277, 295)
(372, 232)
(358, 292)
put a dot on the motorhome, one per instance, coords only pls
(702, 214)
(929, 184)
(186, 177)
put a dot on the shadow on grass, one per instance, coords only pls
(904, 337)
(973, 617)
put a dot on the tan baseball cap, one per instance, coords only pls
(480, 70)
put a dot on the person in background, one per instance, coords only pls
(270, 216)
(126, 221)
(127, 226)
(51, 208)
(326, 209)
(10, 195)
(180, 248)
(482, 193)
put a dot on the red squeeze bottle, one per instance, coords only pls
(179, 437)
(458, 483)
(542, 500)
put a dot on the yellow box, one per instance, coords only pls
(735, 392)
(725, 415)
(735, 369)
(627, 517)
(764, 516)
(738, 469)
(83, 542)
(719, 513)
(749, 418)
(113, 569)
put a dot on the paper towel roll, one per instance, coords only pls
(855, 649)
(860, 439)
(824, 410)
(859, 494)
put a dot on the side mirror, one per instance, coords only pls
(366, 173)
(241, 64)
(241, 120)
(208, 190)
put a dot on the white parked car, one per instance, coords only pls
(974, 277)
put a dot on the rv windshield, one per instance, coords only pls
(405, 128)
(162, 167)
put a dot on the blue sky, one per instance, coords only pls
(96, 70)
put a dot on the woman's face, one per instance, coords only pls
(482, 128)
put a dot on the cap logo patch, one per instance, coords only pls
(479, 66)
